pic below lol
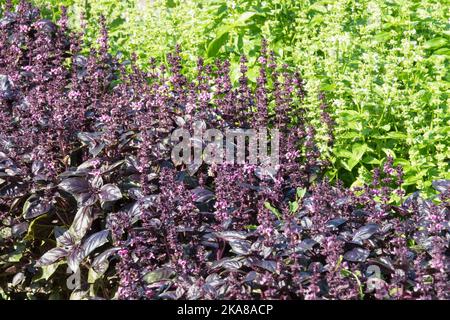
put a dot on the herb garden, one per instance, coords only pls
(92, 205)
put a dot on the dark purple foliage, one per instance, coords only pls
(86, 179)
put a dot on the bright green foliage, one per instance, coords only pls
(384, 65)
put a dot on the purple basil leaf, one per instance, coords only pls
(441, 185)
(6, 87)
(90, 139)
(228, 263)
(412, 199)
(357, 255)
(75, 186)
(306, 223)
(385, 262)
(335, 223)
(202, 195)
(79, 252)
(46, 26)
(74, 258)
(194, 293)
(63, 237)
(135, 193)
(214, 280)
(95, 150)
(35, 208)
(365, 232)
(12, 190)
(307, 244)
(97, 182)
(134, 211)
(73, 173)
(400, 210)
(231, 235)
(184, 228)
(51, 256)
(268, 265)
(170, 295)
(93, 242)
(241, 247)
(19, 229)
(18, 279)
(82, 222)
(360, 213)
(251, 276)
(91, 163)
(37, 167)
(159, 275)
(86, 199)
(111, 167)
(101, 263)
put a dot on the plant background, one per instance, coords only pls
(383, 64)
(383, 67)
